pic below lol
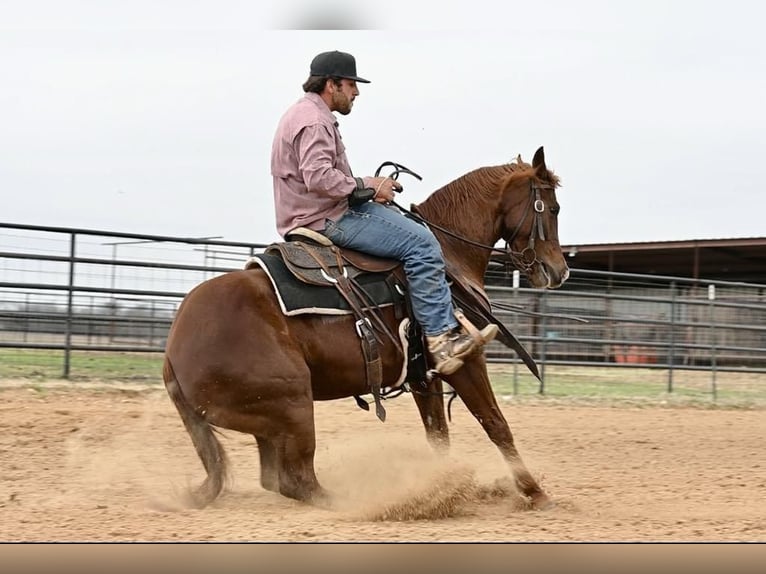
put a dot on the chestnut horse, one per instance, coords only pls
(234, 360)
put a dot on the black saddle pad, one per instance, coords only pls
(296, 297)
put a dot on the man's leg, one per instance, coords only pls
(383, 231)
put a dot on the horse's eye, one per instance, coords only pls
(555, 209)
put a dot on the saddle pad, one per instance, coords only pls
(296, 297)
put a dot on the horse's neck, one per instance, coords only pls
(462, 257)
(467, 261)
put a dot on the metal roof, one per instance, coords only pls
(733, 259)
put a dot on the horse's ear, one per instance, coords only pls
(538, 162)
(519, 160)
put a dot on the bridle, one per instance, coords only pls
(522, 260)
(526, 258)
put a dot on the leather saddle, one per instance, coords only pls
(315, 260)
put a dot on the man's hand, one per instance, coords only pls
(385, 187)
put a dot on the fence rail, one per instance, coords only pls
(88, 290)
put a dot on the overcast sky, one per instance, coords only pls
(157, 116)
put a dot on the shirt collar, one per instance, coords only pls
(317, 100)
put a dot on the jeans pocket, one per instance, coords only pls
(332, 231)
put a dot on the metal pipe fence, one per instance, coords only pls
(75, 290)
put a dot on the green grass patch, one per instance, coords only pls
(37, 364)
(612, 384)
(44, 364)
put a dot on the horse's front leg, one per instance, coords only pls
(472, 385)
(431, 406)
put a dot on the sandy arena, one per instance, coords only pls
(112, 465)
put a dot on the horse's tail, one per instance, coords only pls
(208, 447)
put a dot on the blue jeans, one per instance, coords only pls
(384, 231)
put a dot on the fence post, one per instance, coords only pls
(711, 298)
(90, 325)
(543, 342)
(516, 280)
(672, 349)
(27, 312)
(69, 308)
(609, 324)
(151, 324)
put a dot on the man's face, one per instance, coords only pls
(343, 96)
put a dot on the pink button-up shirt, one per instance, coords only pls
(312, 178)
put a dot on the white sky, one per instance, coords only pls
(157, 116)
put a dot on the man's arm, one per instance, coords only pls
(316, 153)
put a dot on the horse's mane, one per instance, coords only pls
(459, 197)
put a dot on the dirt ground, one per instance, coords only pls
(92, 464)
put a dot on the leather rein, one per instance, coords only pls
(523, 260)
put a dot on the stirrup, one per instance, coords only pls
(481, 337)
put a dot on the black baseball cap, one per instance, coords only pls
(336, 65)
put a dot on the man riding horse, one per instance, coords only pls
(315, 189)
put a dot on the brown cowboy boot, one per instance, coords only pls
(450, 348)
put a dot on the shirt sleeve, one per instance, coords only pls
(317, 154)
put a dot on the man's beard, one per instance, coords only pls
(342, 104)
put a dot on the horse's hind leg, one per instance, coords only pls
(286, 447)
(295, 463)
(473, 386)
(269, 469)
(271, 459)
(287, 453)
